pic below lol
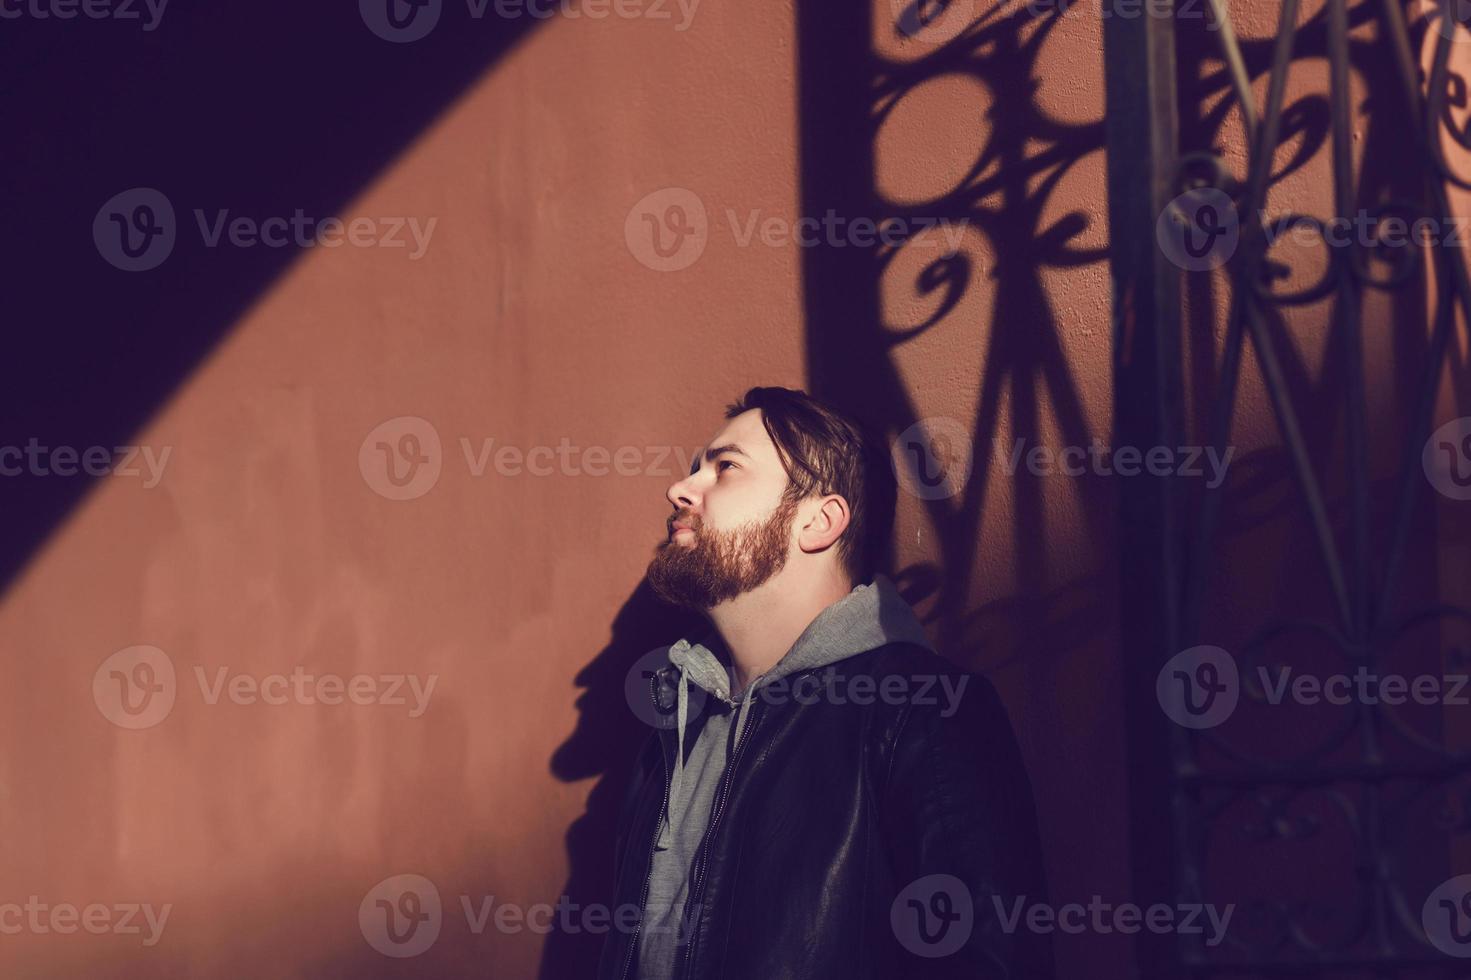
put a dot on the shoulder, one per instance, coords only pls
(921, 675)
(902, 658)
(919, 696)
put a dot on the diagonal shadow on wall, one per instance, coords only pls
(268, 108)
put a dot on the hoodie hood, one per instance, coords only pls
(870, 616)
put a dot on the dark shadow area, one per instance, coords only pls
(265, 109)
(847, 93)
(1291, 804)
(605, 744)
(1055, 606)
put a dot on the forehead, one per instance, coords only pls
(747, 432)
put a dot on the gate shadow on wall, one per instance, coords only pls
(847, 93)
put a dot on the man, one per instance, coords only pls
(829, 797)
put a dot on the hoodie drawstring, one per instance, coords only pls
(676, 782)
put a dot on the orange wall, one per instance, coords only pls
(268, 546)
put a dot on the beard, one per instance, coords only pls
(721, 565)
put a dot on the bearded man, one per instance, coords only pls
(825, 796)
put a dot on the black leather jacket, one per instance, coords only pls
(825, 813)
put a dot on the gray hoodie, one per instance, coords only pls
(868, 617)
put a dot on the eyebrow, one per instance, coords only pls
(715, 451)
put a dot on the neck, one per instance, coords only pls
(760, 626)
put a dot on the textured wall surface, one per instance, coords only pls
(445, 466)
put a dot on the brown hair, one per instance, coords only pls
(823, 452)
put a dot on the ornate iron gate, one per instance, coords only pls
(1372, 805)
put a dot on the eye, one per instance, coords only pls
(723, 462)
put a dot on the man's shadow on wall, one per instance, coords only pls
(605, 744)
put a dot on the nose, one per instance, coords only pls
(682, 495)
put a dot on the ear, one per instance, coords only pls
(827, 522)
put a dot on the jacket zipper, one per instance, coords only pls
(699, 880)
(654, 839)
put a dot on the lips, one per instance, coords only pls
(678, 526)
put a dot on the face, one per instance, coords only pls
(731, 531)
